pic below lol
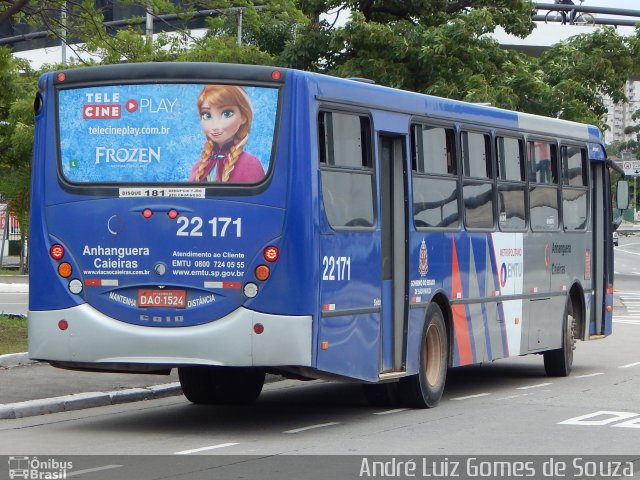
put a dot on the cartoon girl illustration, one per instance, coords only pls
(225, 116)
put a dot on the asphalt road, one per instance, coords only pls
(507, 407)
(14, 302)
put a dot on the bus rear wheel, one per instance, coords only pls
(424, 390)
(558, 363)
(221, 385)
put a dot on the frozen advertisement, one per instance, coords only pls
(167, 133)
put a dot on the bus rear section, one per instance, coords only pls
(157, 225)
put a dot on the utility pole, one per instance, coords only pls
(149, 26)
(63, 33)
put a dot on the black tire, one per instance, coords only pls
(424, 390)
(553, 16)
(221, 385)
(585, 19)
(558, 363)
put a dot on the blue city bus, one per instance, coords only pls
(231, 221)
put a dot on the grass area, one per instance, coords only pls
(8, 271)
(13, 334)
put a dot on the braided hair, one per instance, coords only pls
(222, 95)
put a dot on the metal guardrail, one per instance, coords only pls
(600, 21)
(623, 12)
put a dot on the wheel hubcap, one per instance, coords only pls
(433, 355)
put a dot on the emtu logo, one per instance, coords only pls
(131, 105)
(503, 275)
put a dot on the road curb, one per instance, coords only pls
(14, 287)
(81, 401)
(15, 360)
(22, 279)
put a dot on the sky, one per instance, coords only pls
(629, 4)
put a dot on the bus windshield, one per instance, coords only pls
(166, 133)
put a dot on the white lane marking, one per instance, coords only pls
(610, 417)
(91, 470)
(633, 423)
(627, 322)
(514, 396)
(589, 375)
(629, 365)
(204, 449)
(619, 249)
(477, 395)
(534, 386)
(310, 427)
(388, 412)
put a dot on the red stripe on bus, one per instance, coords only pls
(232, 285)
(92, 282)
(460, 325)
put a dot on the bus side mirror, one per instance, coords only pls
(622, 195)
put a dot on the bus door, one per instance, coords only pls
(348, 331)
(393, 225)
(600, 252)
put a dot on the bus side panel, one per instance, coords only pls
(478, 324)
(352, 346)
(471, 270)
(508, 257)
(350, 280)
(47, 290)
(292, 288)
(429, 272)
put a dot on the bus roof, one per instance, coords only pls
(355, 91)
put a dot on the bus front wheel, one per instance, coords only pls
(221, 385)
(424, 390)
(558, 363)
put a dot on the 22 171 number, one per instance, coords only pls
(336, 268)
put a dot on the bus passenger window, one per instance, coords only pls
(543, 186)
(575, 191)
(511, 184)
(434, 179)
(478, 185)
(543, 163)
(346, 169)
(434, 150)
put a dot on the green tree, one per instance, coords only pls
(443, 47)
(582, 69)
(632, 146)
(16, 139)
